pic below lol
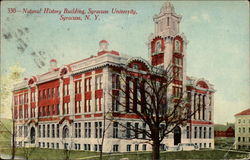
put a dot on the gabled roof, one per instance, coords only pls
(245, 112)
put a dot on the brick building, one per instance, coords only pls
(64, 107)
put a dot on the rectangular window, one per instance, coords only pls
(53, 92)
(128, 130)
(98, 82)
(39, 131)
(77, 130)
(65, 108)
(78, 106)
(205, 133)
(48, 92)
(53, 131)
(136, 147)
(78, 86)
(115, 103)
(87, 84)
(115, 130)
(144, 125)
(128, 147)
(57, 130)
(43, 131)
(115, 81)
(210, 133)
(87, 129)
(48, 130)
(144, 147)
(136, 130)
(200, 132)
(115, 148)
(195, 132)
(188, 132)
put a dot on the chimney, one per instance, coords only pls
(53, 64)
(103, 44)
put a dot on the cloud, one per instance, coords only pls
(204, 17)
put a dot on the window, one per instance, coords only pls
(53, 131)
(52, 92)
(115, 148)
(65, 131)
(177, 46)
(87, 107)
(200, 132)
(239, 121)
(52, 145)
(65, 108)
(98, 82)
(115, 130)
(243, 139)
(95, 147)
(87, 131)
(239, 130)
(77, 130)
(78, 106)
(177, 91)
(136, 130)
(98, 129)
(188, 132)
(210, 145)
(144, 147)
(158, 46)
(25, 131)
(48, 130)
(78, 86)
(128, 130)
(128, 147)
(115, 81)
(65, 89)
(135, 66)
(43, 131)
(57, 131)
(144, 131)
(48, 92)
(210, 133)
(243, 129)
(115, 103)
(57, 145)
(136, 147)
(87, 84)
(98, 104)
(195, 132)
(204, 133)
(39, 131)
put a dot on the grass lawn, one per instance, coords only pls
(50, 154)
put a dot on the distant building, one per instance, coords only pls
(224, 130)
(242, 130)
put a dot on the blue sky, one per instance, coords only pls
(218, 35)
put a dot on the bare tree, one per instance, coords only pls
(146, 95)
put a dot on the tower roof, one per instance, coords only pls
(167, 8)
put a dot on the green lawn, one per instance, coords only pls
(50, 154)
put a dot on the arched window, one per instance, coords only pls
(177, 46)
(65, 132)
(158, 47)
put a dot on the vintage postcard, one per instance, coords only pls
(125, 80)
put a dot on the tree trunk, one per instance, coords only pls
(156, 149)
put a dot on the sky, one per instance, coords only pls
(217, 33)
